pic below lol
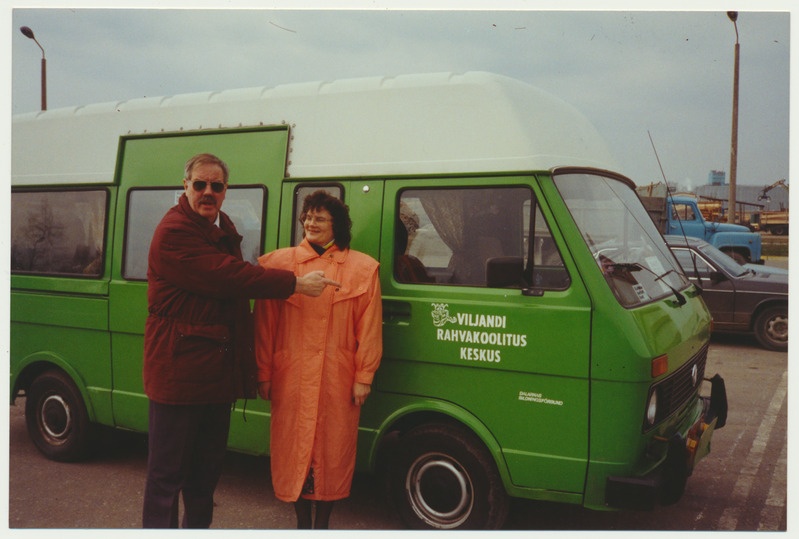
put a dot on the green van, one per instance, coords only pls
(540, 340)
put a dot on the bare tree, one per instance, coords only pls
(41, 233)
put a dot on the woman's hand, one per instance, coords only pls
(263, 390)
(360, 392)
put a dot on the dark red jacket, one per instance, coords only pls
(198, 340)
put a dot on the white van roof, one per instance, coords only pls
(412, 124)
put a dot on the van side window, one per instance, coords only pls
(58, 232)
(544, 268)
(475, 237)
(146, 207)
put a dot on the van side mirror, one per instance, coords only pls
(504, 271)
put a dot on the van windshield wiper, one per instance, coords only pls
(635, 266)
(629, 266)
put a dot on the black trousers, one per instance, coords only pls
(187, 446)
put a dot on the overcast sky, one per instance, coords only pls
(630, 72)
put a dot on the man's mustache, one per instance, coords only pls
(208, 200)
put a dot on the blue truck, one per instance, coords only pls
(680, 215)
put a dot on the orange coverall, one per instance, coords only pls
(312, 351)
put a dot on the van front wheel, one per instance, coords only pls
(445, 478)
(56, 417)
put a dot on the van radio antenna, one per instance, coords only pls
(652, 142)
(668, 189)
(669, 196)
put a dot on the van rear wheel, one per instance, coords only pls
(445, 478)
(56, 417)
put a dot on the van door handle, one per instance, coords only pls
(396, 313)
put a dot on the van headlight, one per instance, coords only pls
(652, 408)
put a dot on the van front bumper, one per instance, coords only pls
(666, 484)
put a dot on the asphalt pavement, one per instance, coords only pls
(741, 485)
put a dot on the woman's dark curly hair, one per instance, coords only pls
(342, 224)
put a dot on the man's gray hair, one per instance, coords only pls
(205, 159)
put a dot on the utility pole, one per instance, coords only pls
(27, 32)
(733, 15)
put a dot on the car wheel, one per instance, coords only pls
(445, 478)
(771, 328)
(56, 417)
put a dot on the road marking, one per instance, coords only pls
(747, 475)
(771, 515)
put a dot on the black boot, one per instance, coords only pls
(303, 509)
(322, 520)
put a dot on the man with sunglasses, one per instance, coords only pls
(198, 343)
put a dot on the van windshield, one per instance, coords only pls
(627, 247)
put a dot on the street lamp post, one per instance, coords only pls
(733, 15)
(27, 32)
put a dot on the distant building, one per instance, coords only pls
(748, 195)
(716, 177)
(750, 198)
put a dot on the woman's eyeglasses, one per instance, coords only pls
(200, 185)
(315, 220)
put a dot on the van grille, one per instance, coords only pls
(679, 387)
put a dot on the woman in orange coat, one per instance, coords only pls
(316, 361)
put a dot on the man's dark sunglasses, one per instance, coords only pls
(216, 187)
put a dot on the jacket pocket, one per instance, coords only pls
(199, 352)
